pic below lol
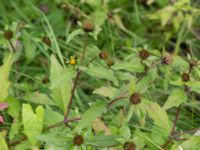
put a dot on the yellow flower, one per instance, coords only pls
(72, 60)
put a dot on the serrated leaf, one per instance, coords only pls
(89, 116)
(102, 73)
(159, 116)
(60, 79)
(132, 66)
(32, 122)
(75, 33)
(105, 91)
(39, 98)
(14, 107)
(103, 140)
(4, 74)
(177, 97)
(51, 116)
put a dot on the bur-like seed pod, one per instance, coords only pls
(129, 146)
(8, 34)
(46, 40)
(135, 98)
(167, 59)
(104, 55)
(185, 77)
(78, 140)
(88, 26)
(144, 54)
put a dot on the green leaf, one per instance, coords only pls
(125, 132)
(75, 33)
(39, 98)
(159, 116)
(191, 144)
(132, 66)
(93, 3)
(3, 145)
(101, 72)
(4, 75)
(53, 138)
(194, 86)
(103, 141)
(32, 122)
(29, 46)
(60, 79)
(105, 91)
(89, 116)
(14, 108)
(51, 116)
(177, 97)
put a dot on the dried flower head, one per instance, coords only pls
(78, 140)
(46, 40)
(129, 146)
(88, 26)
(135, 98)
(185, 77)
(104, 55)
(8, 34)
(167, 59)
(144, 54)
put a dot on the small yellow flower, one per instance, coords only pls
(72, 60)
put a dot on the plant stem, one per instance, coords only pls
(24, 138)
(76, 81)
(147, 70)
(72, 96)
(116, 99)
(173, 128)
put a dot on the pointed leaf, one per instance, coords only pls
(4, 74)
(60, 79)
(177, 97)
(95, 111)
(32, 122)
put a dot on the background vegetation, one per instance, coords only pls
(99, 74)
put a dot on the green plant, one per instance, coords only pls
(95, 76)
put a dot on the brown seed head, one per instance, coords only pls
(8, 34)
(143, 54)
(110, 63)
(104, 55)
(46, 40)
(193, 63)
(78, 140)
(88, 26)
(135, 98)
(45, 80)
(185, 77)
(129, 146)
(167, 59)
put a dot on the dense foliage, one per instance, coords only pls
(99, 74)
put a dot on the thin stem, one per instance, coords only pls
(175, 120)
(116, 99)
(72, 96)
(173, 128)
(24, 138)
(186, 132)
(12, 46)
(147, 70)
(76, 81)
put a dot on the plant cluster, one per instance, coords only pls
(84, 76)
